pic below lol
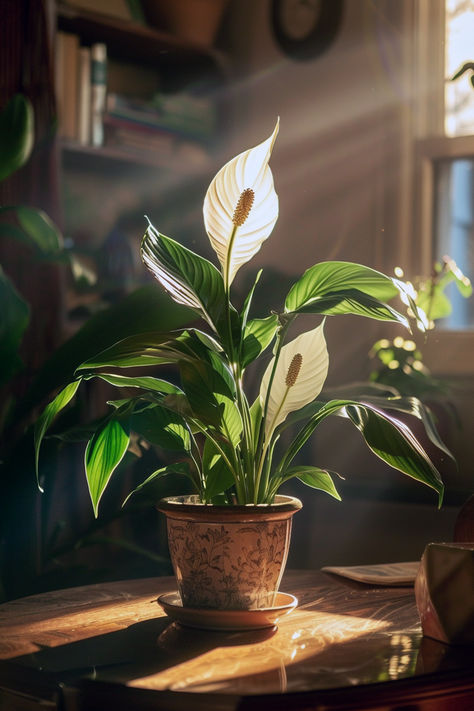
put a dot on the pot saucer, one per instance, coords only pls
(227, 620)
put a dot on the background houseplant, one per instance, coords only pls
(48, 542)
(227, 444)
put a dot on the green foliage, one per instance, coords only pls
(16, 135)
(14, 320)
(400, 361)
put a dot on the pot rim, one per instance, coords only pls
(189, 507)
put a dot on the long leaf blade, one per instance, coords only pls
(258, 335)
(314, 477)
(393, 442)
(190, 279)
(329, 277)
(175, 468)
(353, 301)
(104, 453)
(47, 416)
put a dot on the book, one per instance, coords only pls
(189, 117)
(98, 92)
(84, 97)
(390, 574)
(67, 62)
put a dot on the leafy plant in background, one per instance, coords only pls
(226, 442)
(400, 360)
(138, 312)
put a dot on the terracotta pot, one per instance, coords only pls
(228, 557)
(191, 20)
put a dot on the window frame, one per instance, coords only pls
(445, 352)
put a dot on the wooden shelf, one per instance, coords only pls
(185, 61)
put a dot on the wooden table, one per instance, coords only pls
(346, 646)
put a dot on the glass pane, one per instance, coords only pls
(454, 220)
(459, 94)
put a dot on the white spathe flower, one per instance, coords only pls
(248, 172)
(299, 377)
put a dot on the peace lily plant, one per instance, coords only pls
(226, 444)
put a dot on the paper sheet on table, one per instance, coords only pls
(382, 574)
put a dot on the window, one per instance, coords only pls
(444, 165)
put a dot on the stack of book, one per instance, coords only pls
(80, 89)
(92, 113)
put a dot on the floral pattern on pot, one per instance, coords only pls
(229, 561)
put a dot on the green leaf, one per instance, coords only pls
(352, 301)
(411, 406)
(47, 416)
(394, 443)
(162, 427)
(258, 335)
(314, 477)
(16, 134)
(190, 279)
(248, 300)
(388, 437)
(40, 229)
(336, 277)
(140, 350)
(217, 475)
(146, 309)
(434, 302)
(256, 422)
(176, 468)
(104, 453)
(210, 395)
(13, 323)
(145, 382)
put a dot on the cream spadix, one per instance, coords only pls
(299, 377)
(236, 241)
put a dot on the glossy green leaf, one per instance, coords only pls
(175, 468)
(217, 474)
(256, 422)
(16, 134)
(146, 309)
(414, 407)
(144, 382)
(104, 453)
(258, 335)
(13, 322)
(248, 300)
(386, 435)
(211, 397)
(190, 279)
(44, 421)
(315, 478)
(392, 441)
(140, 350)
(162, 427)
(334, 277)
(352, 301)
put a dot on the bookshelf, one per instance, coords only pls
(108, 188)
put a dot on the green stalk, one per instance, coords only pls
(215, 441)
(236, 370)
(262, 443)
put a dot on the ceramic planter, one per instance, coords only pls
(228, 557)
